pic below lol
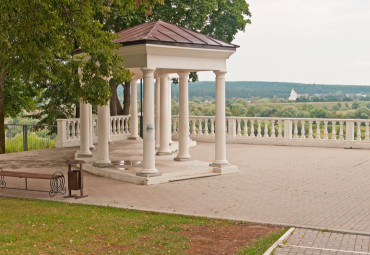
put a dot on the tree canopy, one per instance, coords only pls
(37, 41)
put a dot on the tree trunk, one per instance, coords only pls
(126, 99)
(77, 115)
(2, 113)
(119, 106)
(113, 99)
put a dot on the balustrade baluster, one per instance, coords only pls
(318, 132)
(266, 131)
(252, 128)
(367, 131)
(273, 129)
(333, 130)
(326, 130)
(358, 138)
(280, 129)
(200, 127)
(341, 137)
(73, 130)
(296, 129)
(67, 130)
(259, 128)
(245, 128)
(78, 130)
(114, 126)
(126, 128)
(212, 126)
(119, 125)
(239, 126)
(206, 126)
(193, 131)
(303, 129)
(310, 131)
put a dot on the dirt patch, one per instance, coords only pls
(225, 239)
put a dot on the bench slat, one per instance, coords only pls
(25, 175)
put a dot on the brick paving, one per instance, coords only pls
(321, 188)
(307, 241)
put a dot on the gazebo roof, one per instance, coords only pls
(161, 32)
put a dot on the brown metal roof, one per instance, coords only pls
(161, 32)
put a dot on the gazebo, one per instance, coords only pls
(153, 51)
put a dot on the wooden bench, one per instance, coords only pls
(56, 179)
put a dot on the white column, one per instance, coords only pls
(165, 130)
(84, 132)
(170, 110)
(183, 118)
(220, 150)
(91, 135)
(157, 109)
(134, 118)
(148, 125)
(102, 158)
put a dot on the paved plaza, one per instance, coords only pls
(315, 242)
(320, 188)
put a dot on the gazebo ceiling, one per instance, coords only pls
(164, 33)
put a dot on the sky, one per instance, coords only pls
(308, 41)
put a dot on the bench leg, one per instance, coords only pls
(2, 182)
(57, 184)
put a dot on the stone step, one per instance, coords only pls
(193, 176)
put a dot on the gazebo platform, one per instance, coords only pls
(127, 156)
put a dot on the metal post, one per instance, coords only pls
(141, 108)
(25, 140)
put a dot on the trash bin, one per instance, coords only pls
(75, 178)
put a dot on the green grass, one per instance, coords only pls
(45, 227)
(35, 142)
(262, 244)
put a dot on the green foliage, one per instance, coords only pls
(221, 19)
(278, 92)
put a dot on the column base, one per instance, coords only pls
(97, 164)
(183, 158)
(134, 138)
(84, 155)
(219, 163)
(160, 153)
(226, 169)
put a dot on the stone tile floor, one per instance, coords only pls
(320, 188)
(308, 241)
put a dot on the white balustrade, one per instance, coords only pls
(276, 131)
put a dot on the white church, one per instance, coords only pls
(293, 95)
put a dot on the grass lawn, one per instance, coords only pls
(44, 227)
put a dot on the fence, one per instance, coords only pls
(20, 137)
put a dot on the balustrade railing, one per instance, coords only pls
(283, 131)
(69, 130)
(353, 133)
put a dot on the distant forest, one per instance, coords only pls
(249, 89)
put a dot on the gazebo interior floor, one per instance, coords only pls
(127, 156)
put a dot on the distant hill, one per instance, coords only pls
(248, 89)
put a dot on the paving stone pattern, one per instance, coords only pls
(307, 241)
(324, 188)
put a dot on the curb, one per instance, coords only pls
(280, 241)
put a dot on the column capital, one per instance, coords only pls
(220, 74)
(148, 71)
(183, 73)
